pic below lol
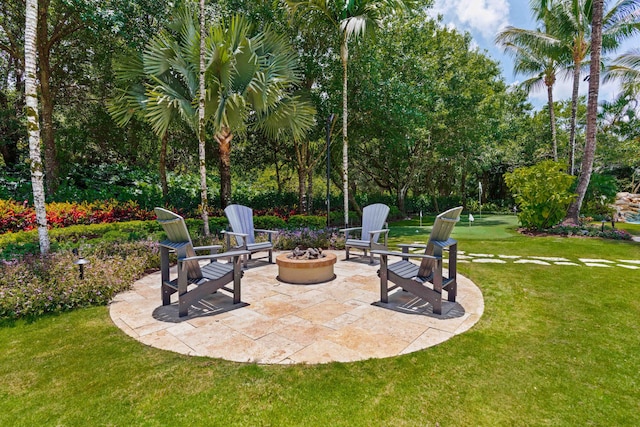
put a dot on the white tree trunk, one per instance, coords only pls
(201, 127)
(33, 124)
(344, 54)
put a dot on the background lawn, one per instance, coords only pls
(557, 345)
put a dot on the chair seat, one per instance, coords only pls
(216, 270)
(358, 243)
(407, 270)
(258, 246)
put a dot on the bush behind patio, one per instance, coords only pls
(38, 285)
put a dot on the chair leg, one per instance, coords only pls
(347, 249)
(237, 274)
(384, 290)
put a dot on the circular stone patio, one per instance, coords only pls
(279, 323)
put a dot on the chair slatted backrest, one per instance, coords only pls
(177, 232)
(441, 232)
(241, 221)
(373, 218)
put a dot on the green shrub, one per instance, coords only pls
(395, 214)
(542, 193)
(37, 285)
(327, 238)
(601, 193)
(16, 245)
(337, 218)
(308, 221)
(269, 222)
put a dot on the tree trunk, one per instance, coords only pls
(344, 55)
(224, 147)
(552, 122)
(402, 197)
(277, 165)
(201, 127)
(163, 168)
(301, 186)
(33, 125)
(48, 137)
(592, 114)
(310, 192)
(574, 114)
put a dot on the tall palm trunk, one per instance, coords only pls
(33, 125)
(201, 128)
(224, 148)
(579, 52)
(552, 122)
(592, 113)
(344, 55)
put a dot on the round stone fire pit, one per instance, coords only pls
(305, 271)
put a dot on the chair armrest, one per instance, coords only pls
(271, 233)
(211, 247)
(234, 233)
(260, 230)
(346, 230)
(386, 230)
(412, 245)
(405, 255)
(229, 254)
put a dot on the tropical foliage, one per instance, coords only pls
(542, 192)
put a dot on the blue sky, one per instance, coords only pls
(485, 18)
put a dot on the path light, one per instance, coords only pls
(80, 262)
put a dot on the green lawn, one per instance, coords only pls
(557, 345)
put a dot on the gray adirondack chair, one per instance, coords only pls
(426, 280)
(194, 282)
(374, 217)
(241, 221)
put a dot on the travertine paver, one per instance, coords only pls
(341, 320)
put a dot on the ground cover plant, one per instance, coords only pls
(557, 345)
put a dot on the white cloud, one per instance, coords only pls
(485, 17)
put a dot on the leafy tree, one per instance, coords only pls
(350, 19)
(542, 193)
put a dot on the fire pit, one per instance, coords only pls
(301, 268)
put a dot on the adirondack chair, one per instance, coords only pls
(241, 222)
(425, 280)
(194, 282)
(374, 217)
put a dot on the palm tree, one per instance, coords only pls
(535, 54)
(132, 101)
(33, 123)
(248, 76)
(592, 112)
(574, 31)
(626, 68)
(350, 19)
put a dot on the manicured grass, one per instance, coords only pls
(557, 345)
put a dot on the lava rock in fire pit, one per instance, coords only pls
(311, 253)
